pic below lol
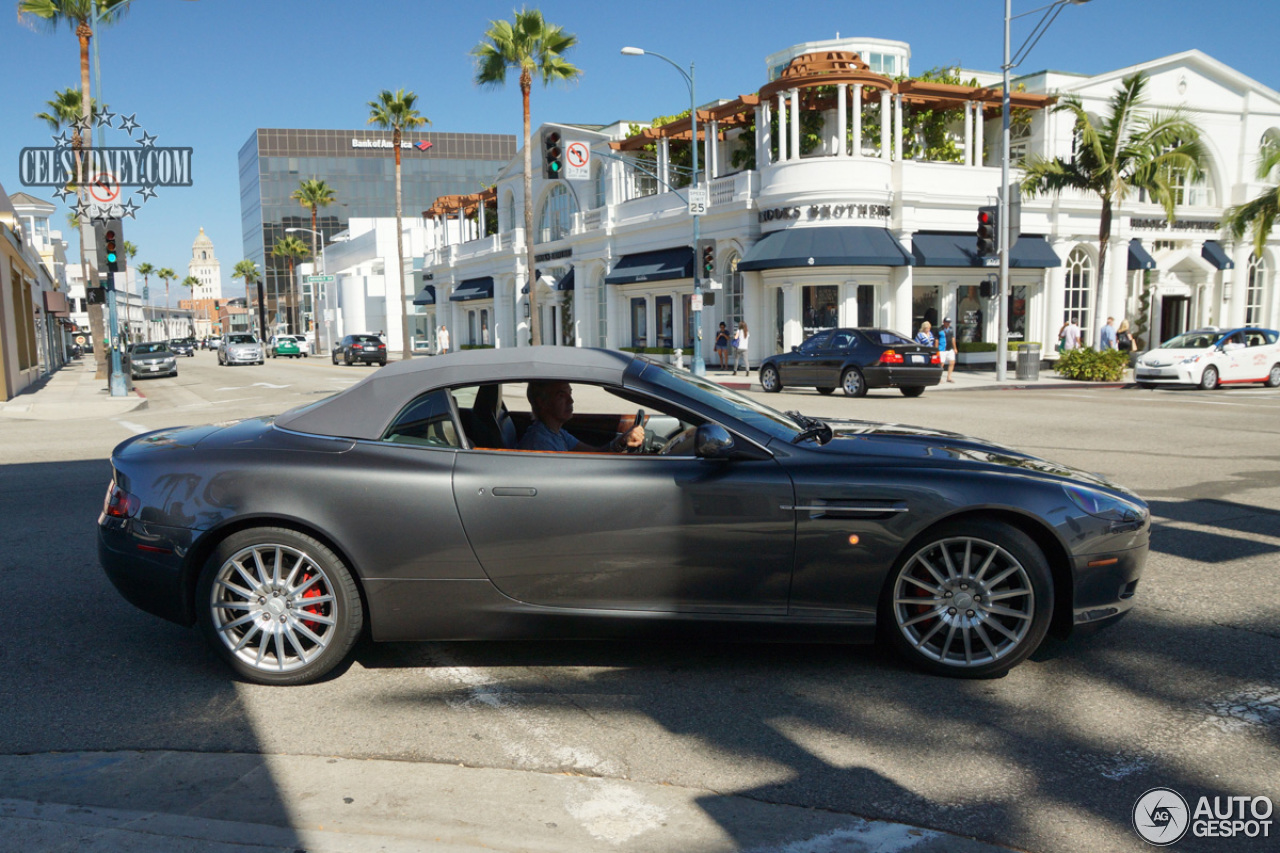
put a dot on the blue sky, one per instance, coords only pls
(205, 74)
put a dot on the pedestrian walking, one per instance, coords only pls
(1124, 338)
(924, 337)
(442, 339)
(722, 346)
(947, 347)
(740, 341)
(1109, 334)
(1071, 335)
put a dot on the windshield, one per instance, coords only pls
(722, 399)
(240, 339)
(1201, 339)
(366, 339)
(139, 349)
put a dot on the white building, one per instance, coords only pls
(859, 229)
(204, 265)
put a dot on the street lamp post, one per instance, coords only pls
(699, 366)
(1051, 12)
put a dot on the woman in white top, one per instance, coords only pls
(740, 340)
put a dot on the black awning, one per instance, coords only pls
(1213, 252)
(831, 246)
(473, 288)
(426, 296)
(960, 250)
(659, 265)
(566, 281)
(1139, 258)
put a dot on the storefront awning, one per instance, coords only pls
(835, 246)
(1139, 258)
(1216, 255)
(660, 265)
(471, 289)
(565, 283)
(426, 296)
(960, 250)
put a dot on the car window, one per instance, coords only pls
(887, 338)
(145, 348)
(427, 421)
(843, 340)
(722, 399)
(240, 339)
(1191, 340)
(366, 339)
(1257, 338)
(816, 342)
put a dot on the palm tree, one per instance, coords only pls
(395, 112)
(248, 270)
(1128, 151)
(532, 45)
(79, 15)
(291, 249)
(313, 195)
(145, 270)
(166, 275)
(1259, 214)
(190, 283)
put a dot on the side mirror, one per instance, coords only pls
(713, 442)
(795, 349)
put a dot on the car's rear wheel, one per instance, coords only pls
(770, 381)
(825, 391)
(278, 606)
(971, 600)
(1273, 378)
(1147, 385)
(853, 383)
(347, 359)
(912, 390)
(1209, 379)
(335, 357)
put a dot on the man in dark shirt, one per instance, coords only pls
(552, 404)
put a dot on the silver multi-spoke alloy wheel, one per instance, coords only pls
(278, 606)
(769, 379)
(1273, 378)
(972, 601)
(853, 383)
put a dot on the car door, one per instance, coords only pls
(1233, 360)
(829, 361)
(802, 365)
(630, 532)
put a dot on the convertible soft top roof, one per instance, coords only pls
(365, 409)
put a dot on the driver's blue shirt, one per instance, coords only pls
(539, 437)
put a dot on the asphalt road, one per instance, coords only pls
(1184, 694)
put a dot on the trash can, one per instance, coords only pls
(1028, 361)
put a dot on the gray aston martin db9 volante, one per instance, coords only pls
(407, 507)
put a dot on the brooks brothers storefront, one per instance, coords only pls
(834, 215)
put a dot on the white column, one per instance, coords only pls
(480, 217)
(1239, 278)
(968, 133)
(664, 163)
(842, 119)
(782, 127)
(792, 323)
(857, 120)
(979, 125)
(901, 282)
(1056, 297)
(713, 149)
(793, 122)
(886, 118)
(762, 134)
(897, 128)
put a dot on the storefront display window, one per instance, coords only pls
(969, 313)
(924, 307)
(1017, 313)
(639, 323)
(663, 306)
(819, 307)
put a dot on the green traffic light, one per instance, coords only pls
(111, 257)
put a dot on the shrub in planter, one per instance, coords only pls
(990, 346)
(1093, 365)
(650, 350)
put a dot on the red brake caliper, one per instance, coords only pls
(312, 592)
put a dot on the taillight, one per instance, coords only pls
(357, 346)
(936, 358)
(382, 346)
(119, 503)
(890, 357)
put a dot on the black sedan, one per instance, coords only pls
(730, 517)
(855, 360)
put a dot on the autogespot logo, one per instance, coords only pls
(104, 172)
(1160, 816)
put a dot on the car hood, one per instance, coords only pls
(910, 445)
(1167, 356)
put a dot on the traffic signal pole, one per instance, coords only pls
(118, 388)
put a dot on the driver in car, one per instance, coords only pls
(552, 404)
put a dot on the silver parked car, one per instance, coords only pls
(152, 359)
(240, 348)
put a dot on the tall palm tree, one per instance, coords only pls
(1129, 150)
(145, 270)
(79, 15)
(166, 275)
(532, 45)
(291, 249)
(313, 195)
(190, 283)
(248, 270)
(1260, 213)
(395, 112)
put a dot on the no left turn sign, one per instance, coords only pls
(577, 158)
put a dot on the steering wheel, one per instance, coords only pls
(643, 447)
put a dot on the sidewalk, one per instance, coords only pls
(70, 393)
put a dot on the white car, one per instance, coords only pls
(240, 349)
(1210, 357)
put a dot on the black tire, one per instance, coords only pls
(382, 363)
(770, 381)
(1147, 385)
(335, 356)
(265, 577)
(1209, 379)
(911, 390)
(825, 391)
(964, 625)
(853, 382)
(1273, 378)
(347, 359)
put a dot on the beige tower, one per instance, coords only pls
(204, 265)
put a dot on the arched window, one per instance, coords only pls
(733, 309)
(1254, 291)
(1079, 282)
(556, 217)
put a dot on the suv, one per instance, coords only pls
(240, 348)
(366, 348)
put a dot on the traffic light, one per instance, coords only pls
(988, 227)
(552, 154)
(707, 257)
(110, 236)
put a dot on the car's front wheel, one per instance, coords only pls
(278, 606)
(1273, 378)
(853, 383)
(1209, 379)
(912, 390)
(970, 600)
(770, 381)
